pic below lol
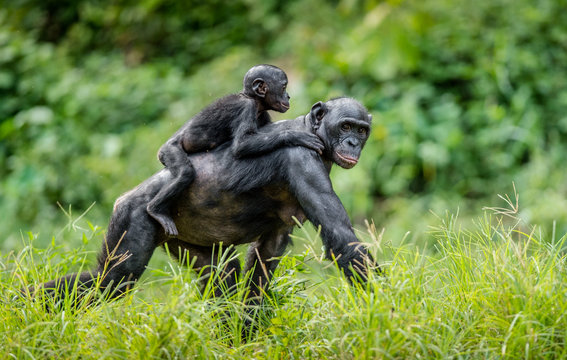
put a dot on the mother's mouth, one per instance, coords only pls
(347, 159)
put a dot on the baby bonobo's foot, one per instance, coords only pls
(165, 221)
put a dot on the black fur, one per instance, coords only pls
(235, 201)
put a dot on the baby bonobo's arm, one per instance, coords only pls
(248, 142)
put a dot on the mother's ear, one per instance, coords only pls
(317, 113)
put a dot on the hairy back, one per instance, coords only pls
(234, 201)
(217, 118)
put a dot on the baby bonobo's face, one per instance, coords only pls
(277, 97)
(267, 84)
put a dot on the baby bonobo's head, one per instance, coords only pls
(267, 85)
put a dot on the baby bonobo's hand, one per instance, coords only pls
(310, 141)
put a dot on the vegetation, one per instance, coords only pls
(489, 291)
(468, 98)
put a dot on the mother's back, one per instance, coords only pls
(209, 212)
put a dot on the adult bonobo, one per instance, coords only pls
(235, 201)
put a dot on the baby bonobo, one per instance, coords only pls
(236, 117)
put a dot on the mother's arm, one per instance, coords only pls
(310, 183)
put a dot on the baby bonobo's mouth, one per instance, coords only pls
(285, 106)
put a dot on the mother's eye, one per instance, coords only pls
(362, 131)
(345, 127)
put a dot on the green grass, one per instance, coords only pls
(495, 289)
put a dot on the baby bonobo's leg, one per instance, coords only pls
(177, 162)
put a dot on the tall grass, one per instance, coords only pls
(493, 290)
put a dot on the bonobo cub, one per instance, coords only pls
(236, 117)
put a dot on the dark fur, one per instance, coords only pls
(236, 117)
(235, 201)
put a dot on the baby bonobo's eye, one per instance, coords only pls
(345, 127)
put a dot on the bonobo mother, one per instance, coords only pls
(236, 201)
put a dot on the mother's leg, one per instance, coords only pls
(263, 259)
(216, 261)
(129, 243)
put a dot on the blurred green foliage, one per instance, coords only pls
(467, 96)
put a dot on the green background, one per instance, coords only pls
(468, 97)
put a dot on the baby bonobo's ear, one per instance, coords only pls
(318, 111)
(260, 87)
